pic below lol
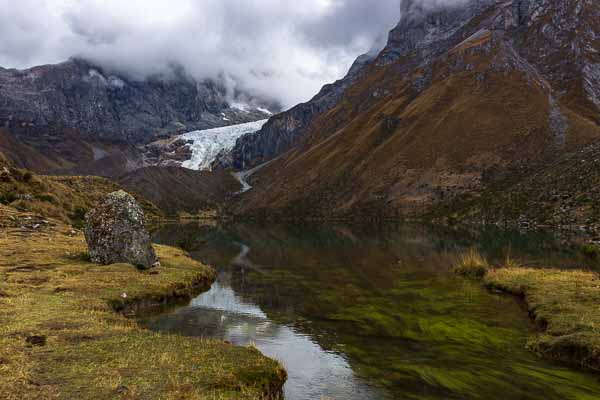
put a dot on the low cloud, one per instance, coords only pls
(279, 49)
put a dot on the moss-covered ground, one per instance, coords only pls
(61, 338)
(564, 304)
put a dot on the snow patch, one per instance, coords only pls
(95, 75)
(264, 110)
(116, 82)
(207, 144)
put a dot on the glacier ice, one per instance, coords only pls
(207, 144)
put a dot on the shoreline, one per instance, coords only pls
(66, 330)
(562, 305)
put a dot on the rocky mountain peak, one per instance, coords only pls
(104, 104)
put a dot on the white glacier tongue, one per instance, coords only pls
(208, 143)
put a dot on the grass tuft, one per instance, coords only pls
(472, 264)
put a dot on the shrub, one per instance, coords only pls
(472, 264)
(77, 217)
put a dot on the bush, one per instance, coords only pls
(77, 217)
(472, 264)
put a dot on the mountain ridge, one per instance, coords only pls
(472, 98)
(102, 104)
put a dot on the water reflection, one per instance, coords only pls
(221, 314)
(359, 313)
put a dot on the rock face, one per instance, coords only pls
(115, 233)
(101, 104)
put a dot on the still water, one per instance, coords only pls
(373, 313)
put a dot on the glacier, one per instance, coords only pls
(207, 144)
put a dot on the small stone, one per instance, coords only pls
(36, 340)
(122, 389)
(124, 295)
(115, 232)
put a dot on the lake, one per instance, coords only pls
(374, 312)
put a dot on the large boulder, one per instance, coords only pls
(115, 232)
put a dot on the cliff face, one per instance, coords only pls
(81, 96)
(463, 100)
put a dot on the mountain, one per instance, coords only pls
(466, 102)
(68, 117)
(101, 104)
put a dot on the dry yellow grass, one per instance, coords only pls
(50, 293)
(565, 304)
(66, 198)
(472, 263)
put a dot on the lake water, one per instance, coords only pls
(373, 313)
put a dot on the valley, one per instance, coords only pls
(427, 226)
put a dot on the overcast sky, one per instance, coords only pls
(284, 49)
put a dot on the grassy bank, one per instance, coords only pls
(60, 336)
(64, 198)
(565, 305)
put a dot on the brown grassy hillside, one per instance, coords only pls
(66, 198)
(484, 113)
(176, 190)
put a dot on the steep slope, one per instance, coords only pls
(463, 99)
(66, 198)
(175, 190)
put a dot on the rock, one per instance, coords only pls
(122, 389)
(115, 233)
(36, 340)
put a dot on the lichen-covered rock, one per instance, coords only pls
(115, 232)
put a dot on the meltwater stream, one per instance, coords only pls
(357, 313)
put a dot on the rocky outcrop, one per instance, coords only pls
(102, 104)
(115, 233)
(426, 28)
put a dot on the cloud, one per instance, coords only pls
(278, 49)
